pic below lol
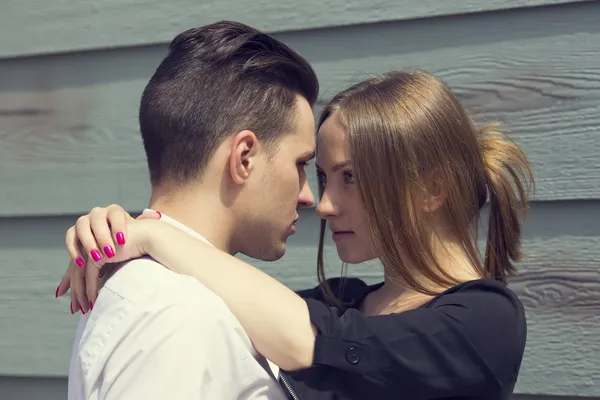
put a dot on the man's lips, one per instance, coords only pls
(293, 226)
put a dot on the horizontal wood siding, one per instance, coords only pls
(68, 124)
(69, 141)
(42, 26)
(559, 285)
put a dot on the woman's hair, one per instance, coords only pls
(403, 126)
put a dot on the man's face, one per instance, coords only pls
(277, 189)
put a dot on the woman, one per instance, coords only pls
(403, 174)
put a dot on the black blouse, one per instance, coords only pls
(466, 343)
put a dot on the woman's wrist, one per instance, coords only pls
(150, 233)
(168, 245)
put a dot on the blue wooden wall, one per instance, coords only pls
(71, 74)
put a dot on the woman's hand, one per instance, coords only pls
(99, 238)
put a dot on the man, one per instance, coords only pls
(227, 127)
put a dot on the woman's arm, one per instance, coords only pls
(470, 340)
(275, 318)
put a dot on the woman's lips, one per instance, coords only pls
(341, 235)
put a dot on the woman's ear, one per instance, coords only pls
(434, 193)
(244, 147)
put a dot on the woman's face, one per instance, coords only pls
(340, 204)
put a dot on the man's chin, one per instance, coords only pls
(273, 254)
(277, 253)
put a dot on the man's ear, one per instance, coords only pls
(244, 147)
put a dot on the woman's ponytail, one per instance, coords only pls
(508, 179)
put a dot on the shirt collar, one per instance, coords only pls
(177, 224)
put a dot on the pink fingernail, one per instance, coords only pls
(79, 262)
(108, 250)
(56, 294)
(120, 238)
(96, 255)
(91, 305)
(159, 214)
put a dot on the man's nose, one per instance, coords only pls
(306, 198)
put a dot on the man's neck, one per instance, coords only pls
(200, 211)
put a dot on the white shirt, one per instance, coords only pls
(156, 334)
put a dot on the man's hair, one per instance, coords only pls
(217, 80)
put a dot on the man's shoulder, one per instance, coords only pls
(144, 277)
(148, 315)
(147, 287)
(143, 293)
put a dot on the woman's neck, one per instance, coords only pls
(394, 296)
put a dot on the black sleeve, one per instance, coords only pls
(341, 287)
(307, 293)
(467, 342)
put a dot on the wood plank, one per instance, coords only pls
(559, 286)
(34, 388)
(65, 25)
(68, 125)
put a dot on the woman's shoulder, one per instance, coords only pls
(492, 317)
(483, 300)
(480, 292)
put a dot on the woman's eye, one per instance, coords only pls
(321, 176)
(348, 177)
